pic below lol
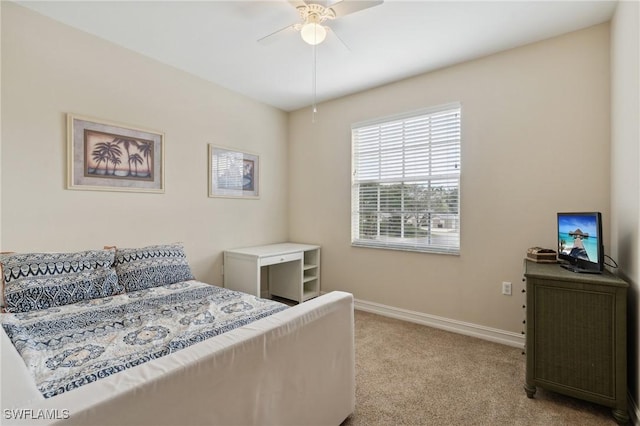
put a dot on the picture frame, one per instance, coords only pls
(107, 156)
(233, 174)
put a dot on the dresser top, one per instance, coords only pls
(273, 249)
(554, 271)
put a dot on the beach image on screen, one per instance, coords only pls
(578, 237)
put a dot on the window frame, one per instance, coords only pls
(450, 180)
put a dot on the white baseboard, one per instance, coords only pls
(487, 333)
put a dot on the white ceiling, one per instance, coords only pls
(217, 40)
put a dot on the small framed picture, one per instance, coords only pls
(233, 173)
(104, 156)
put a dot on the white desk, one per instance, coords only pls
(294, 270)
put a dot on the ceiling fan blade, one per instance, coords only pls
(346, 46)
(270, 37)
(345, 7)
(297, 3)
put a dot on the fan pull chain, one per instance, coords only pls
(314, 108)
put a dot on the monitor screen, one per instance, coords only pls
(580, 240)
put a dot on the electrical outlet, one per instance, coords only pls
(506, 288)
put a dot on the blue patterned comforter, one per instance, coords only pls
(68, 346)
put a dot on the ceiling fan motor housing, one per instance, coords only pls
(315, 13)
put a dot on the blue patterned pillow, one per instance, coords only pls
(152, 266)
(42, 280)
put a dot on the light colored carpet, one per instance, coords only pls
(410, 374)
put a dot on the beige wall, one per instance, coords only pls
(535, 141)
(532, 117)
(625, 158)
(48, 70)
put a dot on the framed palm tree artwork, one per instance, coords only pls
(104, 156)
(233, 173)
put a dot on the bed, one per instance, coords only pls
(209, 364)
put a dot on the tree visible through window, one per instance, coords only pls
(406, 179)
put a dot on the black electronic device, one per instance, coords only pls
(580, 242)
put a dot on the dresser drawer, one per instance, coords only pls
(272, 260)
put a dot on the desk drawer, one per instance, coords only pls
(281, 258)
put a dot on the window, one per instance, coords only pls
(406, 181)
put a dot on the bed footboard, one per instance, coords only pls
(294, 367)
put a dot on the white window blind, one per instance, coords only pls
(406, 181)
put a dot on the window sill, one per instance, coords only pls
(428, 250)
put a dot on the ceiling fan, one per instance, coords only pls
(315, 13)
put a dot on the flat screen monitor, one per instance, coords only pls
(580, 241)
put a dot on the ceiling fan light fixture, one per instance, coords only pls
(313, 33)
